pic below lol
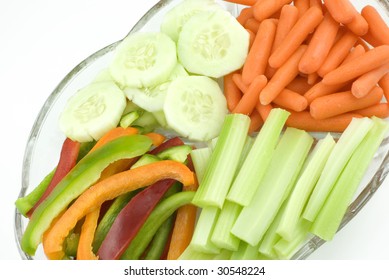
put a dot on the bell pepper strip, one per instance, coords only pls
(158, 244)
(161, 212)
(114, 134)
(24, 204)
(81, 177)
(108, 189)
(130, 220)
(184, 224)
(67, 160)
(157, 138)
(172, 142)
(84, 249)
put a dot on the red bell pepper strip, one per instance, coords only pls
(67, 160)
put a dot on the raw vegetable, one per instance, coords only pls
(195, 107)
(178, 16)
(284, 167)
(162, 212)
(213, 44)
(255, 165)
(86, 172)
(223, 162)
(108, 189)
(330, 216)
(341, 153)
(378, 30)
(143, 60)
(92, 111)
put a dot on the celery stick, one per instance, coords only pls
(223, 162)
(201, 240)
(221, 236)
(341, 153)
(330, 216)
(258, 159)
(223, 255)
(287, 161)
(245, 252)
(200, 158)
(305, 183)
(284, 248)
(192, 254)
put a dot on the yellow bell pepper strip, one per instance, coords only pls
(86, 172)
(108, 189)
(67, 160)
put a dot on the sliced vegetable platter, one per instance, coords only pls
(219, 134)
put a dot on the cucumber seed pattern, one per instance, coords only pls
(92, 108)
(197, 105)
(141, 56)
(212, 43)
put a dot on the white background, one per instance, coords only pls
(41, 41)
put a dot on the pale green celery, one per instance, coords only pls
(200, 158)
(246, 149)
(298, 198)
(245, 252)
(331, 215)
(258, 159)
(285, 249)
(223, 162)
(129, 118)
(341, 153)
(192, 254)
(201, 240)
(223, 255)
(221, 236)
(286, 163)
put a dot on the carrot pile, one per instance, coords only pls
(324, 62)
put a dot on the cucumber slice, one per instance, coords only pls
(175, 19)
(92, 111)
(143, 60)
(212, 44)
(195, 107)
(152, 99)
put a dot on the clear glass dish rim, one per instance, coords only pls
(310, 245)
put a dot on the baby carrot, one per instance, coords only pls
(384, 84)
(368, 61)
(302, 6)
(343, 102)
(237, 78)
(255, 121)
(338, 53)
(358, 25)
(263, 110)
(252, 24)
(354, 53)
(316, 3)
(231, 92)
(304, 120)
(312, 78)
(380, 110)
(321, 89)
(288, 18)
(299, 84)
(259, 53)
(266, 8)
(362, 85)
(341, 10)
(243, 2)
(299, 32)
(320, 45)
(378, 28)
(244, 15)
(283, 76)
(292, 100)
(252, 37)
(247, 103)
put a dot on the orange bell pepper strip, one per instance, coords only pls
(108, 189)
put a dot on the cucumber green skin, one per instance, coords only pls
(177, 153)
(84, 174)
(159, 215)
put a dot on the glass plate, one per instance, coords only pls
(46, 138)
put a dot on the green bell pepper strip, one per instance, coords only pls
(159, 215)
(83, 175)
